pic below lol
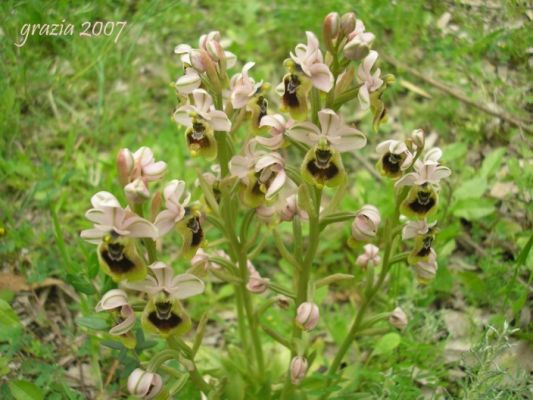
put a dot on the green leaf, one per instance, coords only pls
(95, 322)
(472, 209)
(24, 390)
(454, 152)
(492, 162)
(473, 188)
(80, 283)
(387, 343)
(10, 325)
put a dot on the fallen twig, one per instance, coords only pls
(524, 125)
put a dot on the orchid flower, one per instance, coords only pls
(201, 119)
(394, 158)
(135, 170)
(163, 313)
(243, 88)
(262, 175)
(290, 208)
(212, 44)
(278, 126)
(358, 42)
(370, 82)
(426, 270)
(333, 130)
(422, 198)
(188, 82)
(176, 200)
(428, 171)
(322, 164)
(109, 217)
(309, 59)
(416, 228)
(116, 301)
(398, 318)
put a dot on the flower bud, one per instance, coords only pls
(196, 60)
(283, 302)
(298, 369)
(143, 384)
(369, 257)
(256, 283)
(398, 318)
(125, 164)
(290, 209)
(358, 46)
(366, 222)
(136, 191)
(418, 138)
(348, 23)
(330, 29)
(307, 316)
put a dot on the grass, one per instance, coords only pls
(69, 103)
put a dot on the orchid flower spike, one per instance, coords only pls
(394, 158)
(144, 385)
(370, 257)
(322, 164)
(163, 313)
(116, 301)
(201, 120)
(370, 82)
(114, 231)
(278, 126)
(262, 175)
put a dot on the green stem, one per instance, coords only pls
(195, 376)
(371, 291)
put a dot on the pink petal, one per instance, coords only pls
(271, 143)
(407, 180)
(329, 121)
(268, 160)
(186, 285)
(239, 166)
(321, 77)
(155, 171)
(141, 228)
(276, 185)
(305, 132)
(240, 97)
(127, 324)
(104, 199)
(202, 100)
(348, 139)
(188, 82)
(181, 115)
(92, 235)
(114, 298)
(219, 121)
(364, 97)
(165, 221)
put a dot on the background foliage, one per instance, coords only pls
(68, 104)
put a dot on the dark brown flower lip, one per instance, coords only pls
(118, 264)
(164, 324)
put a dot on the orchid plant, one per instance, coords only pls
(271, 172)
